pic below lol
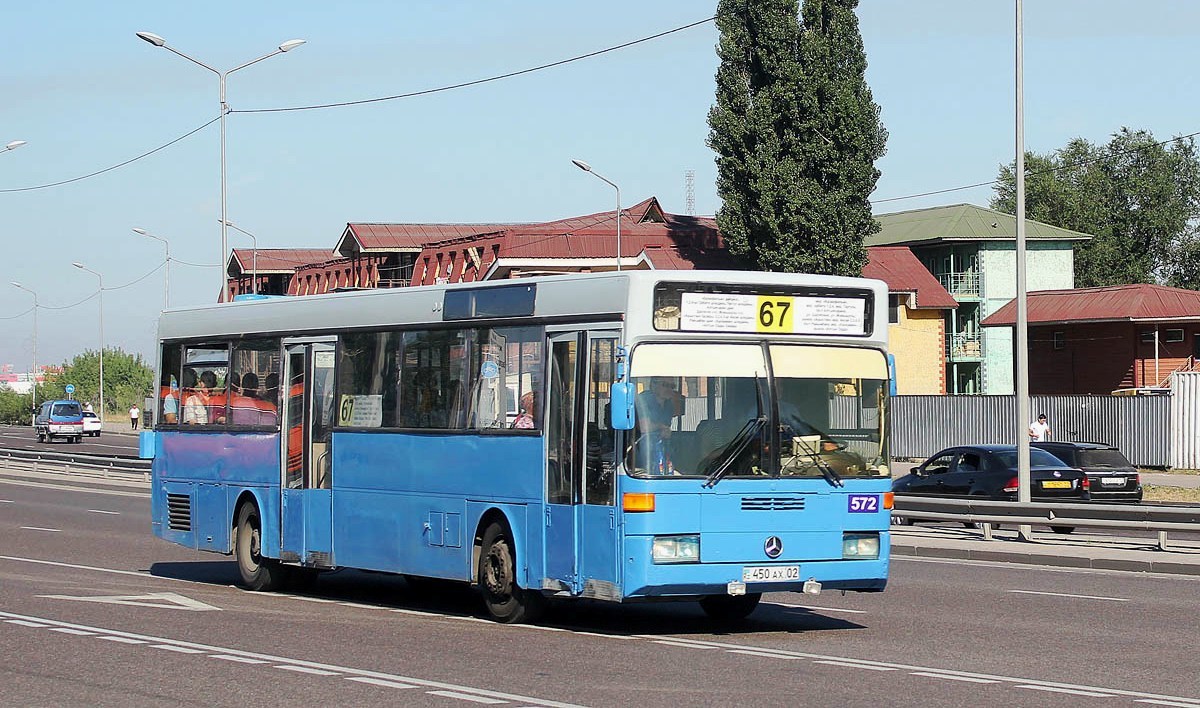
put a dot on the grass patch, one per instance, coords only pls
(1153, 492)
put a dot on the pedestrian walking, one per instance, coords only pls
(1039, 430)
(134, 414)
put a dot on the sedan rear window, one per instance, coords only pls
(1102, 458)
(1037, 458)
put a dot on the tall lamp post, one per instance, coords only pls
(167, 279)
(13, 145)
(253, 256)
(81, 266)
(588, 168)
(285, 47)
(35, 309)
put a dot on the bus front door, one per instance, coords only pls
(306, 526)
(581, 521)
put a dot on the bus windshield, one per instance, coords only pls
(713, 411)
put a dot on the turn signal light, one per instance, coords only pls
(1013, 485)
(1086, 484)
(889, 500)
(635, 501)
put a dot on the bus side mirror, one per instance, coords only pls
(622, 397)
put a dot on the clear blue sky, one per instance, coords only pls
(87, 94)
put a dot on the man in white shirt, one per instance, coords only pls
(1039, 430)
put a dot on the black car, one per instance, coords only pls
(1113, 478)
(990, 472)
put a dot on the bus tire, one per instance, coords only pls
(258, 573)
(730, 608)
(497, 574)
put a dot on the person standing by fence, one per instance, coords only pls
(1039, 430)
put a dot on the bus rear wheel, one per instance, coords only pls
(730, 608)
(505, 600)
(258, 573)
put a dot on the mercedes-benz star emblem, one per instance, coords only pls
(773, 546)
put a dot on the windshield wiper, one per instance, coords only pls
(834, 479)
(733, 449)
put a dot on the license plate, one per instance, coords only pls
(770, 573)
(1113, 481)
(1056, 484)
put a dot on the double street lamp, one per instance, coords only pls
(81, 266)
(167, 279)
(14, 145)
(285, 47)
(588, 168)
(35, 309)
(253, 257)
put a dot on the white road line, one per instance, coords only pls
(122, 640)
(7, 501)
(102, 511)
(766, 654)
(181, 650)
(949, 677)
(68, 488)
(1168, 703)
(379, 682)
(306, 670)
(73, 566)
(686, 645)
(24, 623)
(470, 693)
(815, 609)
(1075, 597)
(855, 664)
(1072, 691)
(68, 630)
(465, 697)
(39, 528)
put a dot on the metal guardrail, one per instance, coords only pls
(108, 466)
(1162, 519)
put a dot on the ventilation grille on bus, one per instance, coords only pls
(772, 503)
(179, 512)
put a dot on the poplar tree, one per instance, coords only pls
(796, 134)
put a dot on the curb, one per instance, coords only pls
(1057, 561)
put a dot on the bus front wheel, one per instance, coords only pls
(258, 573)
(728, 608)
(506, 601)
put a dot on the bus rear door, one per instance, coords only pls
(581, 521)
(306, 528)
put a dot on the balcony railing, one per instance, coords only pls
(961, 284)
(964, 346)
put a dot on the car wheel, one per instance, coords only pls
(41, 438)
(506, 601)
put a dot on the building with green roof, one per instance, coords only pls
(971, 250)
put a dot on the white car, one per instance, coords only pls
(91, 424)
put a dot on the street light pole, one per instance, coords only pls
(35, 309)
(167, 279)
(81, 266)
(253, 255)
(13, 145)
(1021, 343)
(285, 47)
(588, 168)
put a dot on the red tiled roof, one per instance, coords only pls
(1118, 302)
(688, 258)
(394, 237)
(279, 260)
(900, 269)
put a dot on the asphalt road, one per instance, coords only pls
(122, 443)
(96, 611)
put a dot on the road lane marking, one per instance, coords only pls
(69, 488)
(379, 682)
(767, 654)
(159, 600)
(469, 693)
(815, 609)
(181, 650)
(102, 511)
(68, 630)
(1075, 597)
(1072, 691)
(949, 677)
(114, 571)
(39, 528)
(855, 664)
(7, 501)
(307, 670)
(1167, 703)
(466, 697)
(25, 623)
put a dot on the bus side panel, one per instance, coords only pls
(400, 499)
(198, 479)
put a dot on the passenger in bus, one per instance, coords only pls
(216, 398)
(656, 408)
(270, 392)
(195, 398)
(170, 405)
(526, 419)
(244, 408)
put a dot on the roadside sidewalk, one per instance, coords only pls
(1161, 479)
(1076, 550)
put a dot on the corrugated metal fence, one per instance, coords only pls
(1139, 425)
(1185, 416)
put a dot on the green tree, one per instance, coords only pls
(1138, 199)
(127, 379)
(15, 408)
(796, 134)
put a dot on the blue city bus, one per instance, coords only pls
(640, 435)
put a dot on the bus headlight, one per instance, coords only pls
(676, 549)
(860, 545)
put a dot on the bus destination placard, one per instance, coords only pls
(776, 314)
